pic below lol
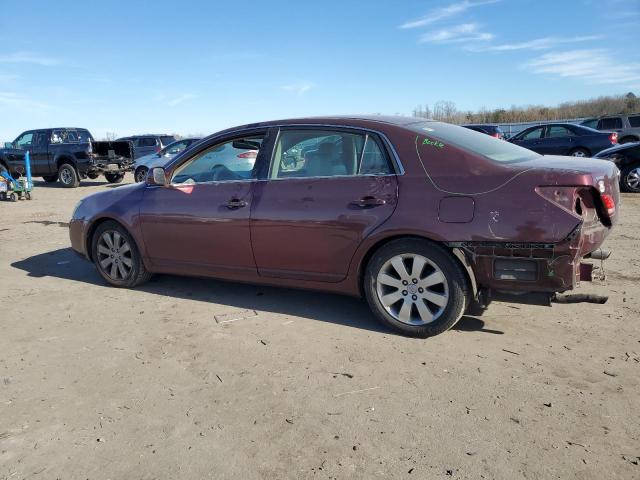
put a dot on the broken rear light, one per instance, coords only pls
(609, 203)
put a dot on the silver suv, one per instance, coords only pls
(627, 126)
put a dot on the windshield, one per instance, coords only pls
(492, 148)
(166, 140)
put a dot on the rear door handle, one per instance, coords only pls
(236, 203)
(366, 202)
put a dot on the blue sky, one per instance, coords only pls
(200, 66)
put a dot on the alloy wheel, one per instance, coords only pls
(632, 179)
(114, 255)
(412, 289)
(579, 153)
(65, 176)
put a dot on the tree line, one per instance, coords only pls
(446, 111)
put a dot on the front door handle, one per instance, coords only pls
(235, 203)
(366, 202)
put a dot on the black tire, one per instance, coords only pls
(628, 140)
(580, 152)
(455, 279)
(141, 174)
(137, 273)
(28, 196)
(630, 178)
(13, 197)
(50, 178)
(68, 176)
(92, 176)
(114, 177)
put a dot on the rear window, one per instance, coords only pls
(166, 140)
(634, 121)
(492, 148)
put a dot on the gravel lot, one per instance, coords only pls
(192, 378)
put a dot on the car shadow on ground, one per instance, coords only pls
(65, 264)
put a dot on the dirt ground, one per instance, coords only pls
(192, 378)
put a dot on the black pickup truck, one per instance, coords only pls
(67, 155)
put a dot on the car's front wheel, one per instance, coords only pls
(416, 287)
(117, 257)
(630, 178)
(141, 174)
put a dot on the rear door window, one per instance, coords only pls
(317, 153)
(611, 123)
(558, 132)
(148, 142)
(634, 121)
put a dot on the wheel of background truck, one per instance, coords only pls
(50, 178)
(114, 177)
(68, 176)
(580, 152)
(630, 178)
(13, 197)
(141, 174)
(117, 257)
(416, 287)
(92, 176)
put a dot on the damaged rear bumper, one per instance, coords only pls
(535, 273)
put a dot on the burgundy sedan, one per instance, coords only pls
(421, 218)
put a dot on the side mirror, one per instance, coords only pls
(157, 177)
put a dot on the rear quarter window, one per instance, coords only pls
(634, 121)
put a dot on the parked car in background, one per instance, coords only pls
(422, 218)
(626, 126)
(627, 159)
(564, 139)
(143, 164)
(67, 155)
(147, 144)
(492, 130)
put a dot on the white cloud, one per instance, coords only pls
(299, 88)
(175, 101)
(445, 12)
(29, 57)
(465, 32)
(543, 43)
(12, 99)
(597, 66)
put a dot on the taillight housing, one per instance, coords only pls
(609, 203)
(613, 138)
(249, 154)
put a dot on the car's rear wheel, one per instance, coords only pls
(68, 176)
(416, 287)
(114, 177)
(580, 152)
(117, 257)
(141, 174)
(630, 178)
(50, 178)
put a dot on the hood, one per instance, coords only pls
(617, 148)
